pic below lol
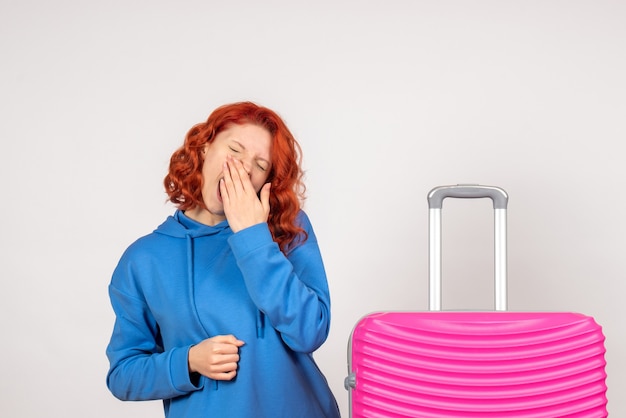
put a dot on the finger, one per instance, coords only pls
(228, 173)
(231, 185)
(223, 376)
(233, 171)
(228, 339)
(240, 175)
(225, 362)
(219, 370)
(224, 350)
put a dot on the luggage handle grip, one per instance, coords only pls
(467, 191)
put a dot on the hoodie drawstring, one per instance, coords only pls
(260, 325)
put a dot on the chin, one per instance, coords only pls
(216, 209)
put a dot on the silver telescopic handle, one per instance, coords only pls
(435, 202)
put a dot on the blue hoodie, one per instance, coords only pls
(186, 282)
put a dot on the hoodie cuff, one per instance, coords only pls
(250, 239)
(179, 371)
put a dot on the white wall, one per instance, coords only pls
(388, 99)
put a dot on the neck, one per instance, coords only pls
(204, 216)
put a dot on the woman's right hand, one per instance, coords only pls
(215, 357)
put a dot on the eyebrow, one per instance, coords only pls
(241, 145)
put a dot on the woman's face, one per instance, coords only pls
(252, 145)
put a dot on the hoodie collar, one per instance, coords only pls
(181, 226)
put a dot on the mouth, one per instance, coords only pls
(219, 190)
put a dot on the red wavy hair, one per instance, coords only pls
(183, 183)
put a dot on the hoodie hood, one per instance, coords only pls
(181, 226)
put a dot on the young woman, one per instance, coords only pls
(219, 310)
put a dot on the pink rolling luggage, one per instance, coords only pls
(475, 364)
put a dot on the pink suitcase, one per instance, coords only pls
(475, 364)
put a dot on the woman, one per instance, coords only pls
(219, 310)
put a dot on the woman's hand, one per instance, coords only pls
(242, 206)
(216, 357)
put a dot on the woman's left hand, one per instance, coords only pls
(242, 206)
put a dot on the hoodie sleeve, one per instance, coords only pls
(292, 291)
(139, 368)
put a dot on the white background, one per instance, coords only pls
(387, 98)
